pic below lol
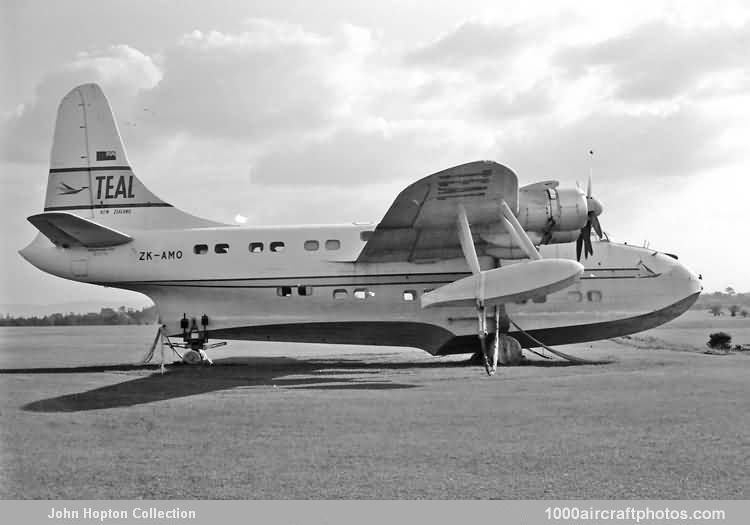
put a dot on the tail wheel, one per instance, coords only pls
(191, 357)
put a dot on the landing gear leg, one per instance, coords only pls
(489, 347)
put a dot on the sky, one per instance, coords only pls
(293, 112)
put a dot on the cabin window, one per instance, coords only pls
(333, 244)
(366, 235)
(521, 301)
(305, 290)
(427, 290)
(312, 246)
(284, 291)
(576, 297)
(221, 248)
(200, 249)
(277, 246)
(552, 192)
(594, 296)
(363, 293)
(539, 299)
(340, 293)
(255, 247)
(409, 295)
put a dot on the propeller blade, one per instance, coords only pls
(579, 246)
(587, 240)
(588, 189)
(597, 227)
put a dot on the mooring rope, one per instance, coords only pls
(558, 353)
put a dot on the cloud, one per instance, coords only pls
(121, 70)
(470, 43)
(628, 148)
(504, 104)
(659, 60)
(380, 152)
(274, 78)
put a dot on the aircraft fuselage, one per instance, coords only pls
(299, 284)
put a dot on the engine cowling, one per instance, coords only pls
(550, 209)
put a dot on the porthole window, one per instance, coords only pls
(576, 297)
(200, 249)
(366, 235)
(255, 247)
(410, 295)
(363, 293)
(312, 246)
(340, 293)
(305, 290)
(284, 291)
(333, 244)
(277, 246)
(221, 248)
(594, 296)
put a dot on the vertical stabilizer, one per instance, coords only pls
(90, 175)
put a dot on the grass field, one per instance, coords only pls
(315, 421)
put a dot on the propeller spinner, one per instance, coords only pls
(595, 208)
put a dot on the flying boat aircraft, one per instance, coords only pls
(464, 260)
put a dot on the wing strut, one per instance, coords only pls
(518, 233)
(467, 242)
(485, 286)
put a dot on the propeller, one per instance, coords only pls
(595, 208)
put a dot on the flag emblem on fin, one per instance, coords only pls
(106, 155)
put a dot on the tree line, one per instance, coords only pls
(106, 316)
(727, 302)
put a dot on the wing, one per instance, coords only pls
(420, 225)
(68, 229)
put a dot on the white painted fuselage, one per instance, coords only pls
(252, 287)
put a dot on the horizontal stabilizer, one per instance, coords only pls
(507, 284)
(67, 230)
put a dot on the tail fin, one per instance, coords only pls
(90, 175)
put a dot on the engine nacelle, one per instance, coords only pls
(564, 237)
(550, 209)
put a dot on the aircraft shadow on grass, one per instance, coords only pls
(183, 381)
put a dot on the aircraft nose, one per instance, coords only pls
(688, 281)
